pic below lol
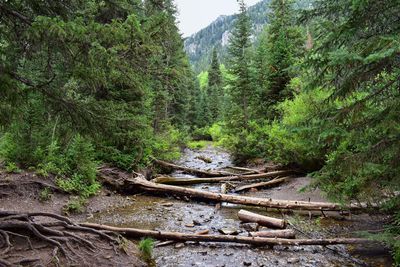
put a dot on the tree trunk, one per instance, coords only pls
(187, 170)
(247, 216)
(259, 241)
(287, 234)
(191, 181)
(140, 183)
(276, 181)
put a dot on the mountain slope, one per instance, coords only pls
(200, 45)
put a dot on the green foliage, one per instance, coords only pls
(146, 246)
(197, 145)
(203, 79)
(75, 205)
(45, 194)
(11, 167)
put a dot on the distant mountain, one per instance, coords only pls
(200, 45)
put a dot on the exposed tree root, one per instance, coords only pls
(67, 237)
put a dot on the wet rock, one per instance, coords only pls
(250, 227)
(247, 263)
(228, 231)
(196, 222)
(203, 252)
(179, 245)
(293, 260)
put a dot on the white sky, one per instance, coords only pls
(195, 15)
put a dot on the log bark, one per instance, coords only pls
(259, 241)
(247, 170)
(274, 182)
(187, 170)
(247, 216)
(142, 184)
(190, 181)
(287, 234)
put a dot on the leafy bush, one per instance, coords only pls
(197, 144)
(75, 205)
(45, 194)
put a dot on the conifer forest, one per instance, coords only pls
(270, 138)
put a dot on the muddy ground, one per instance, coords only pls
(174, 214)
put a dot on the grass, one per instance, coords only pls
(75, 205)
(197, 144)
(45, 195)
(146, 246)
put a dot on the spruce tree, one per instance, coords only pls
(276, 54)
(214, 89)
(239, 67)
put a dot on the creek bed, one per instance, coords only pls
(171, 214)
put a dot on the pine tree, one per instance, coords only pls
(276, 54)
(214, 89)
(239, 67)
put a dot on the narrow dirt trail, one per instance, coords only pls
(172, 214)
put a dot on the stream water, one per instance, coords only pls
(172, 214)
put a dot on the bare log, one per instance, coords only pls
(247, 170)
(191, 181)
(247, 216)
(197, 172)
(259, 241)
(140, 183)
(274, 182)
(287, 234)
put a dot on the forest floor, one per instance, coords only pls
(177, 214)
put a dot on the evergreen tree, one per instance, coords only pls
(214, 89)
(172, 74)
(239, 67)
(276, 54)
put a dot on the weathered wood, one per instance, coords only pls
(247, 216)
(274, 182)
(247, 170)
(259, 241)
(191, 181)
(142, 184)
(187, 170)
(287, 234)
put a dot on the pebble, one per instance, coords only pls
(167, 204)
(293, 260)
(191, 225)
(228, 231)
(179, 245)
(196, 222)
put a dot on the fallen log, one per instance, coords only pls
(287, 234)
(259, 241)
(187, 170)
(141, 183)
(171, 242)
(247, 170)
(190, 181)
(247, 216)
(274, 182)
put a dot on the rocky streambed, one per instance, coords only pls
(183, 215)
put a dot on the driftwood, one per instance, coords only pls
(191, 181)
(274, 182)
(187, 170)
(287, 234)
(171, 242)
(247, 170)
(142, 184)
(247, 216)
(259, 241)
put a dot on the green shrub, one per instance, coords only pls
(11, 167)
(146, 246)
(45, 194)
(75, 205)
(197, 144)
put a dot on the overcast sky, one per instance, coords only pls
(195, 15)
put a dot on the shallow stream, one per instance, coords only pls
(182, 215)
